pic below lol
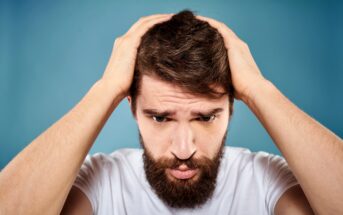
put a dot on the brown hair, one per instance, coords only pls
(187, 52)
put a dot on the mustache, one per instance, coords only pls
(173, 163)
(191, 163)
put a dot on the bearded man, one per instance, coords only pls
(180, 74)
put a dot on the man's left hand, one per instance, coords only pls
(245, 73)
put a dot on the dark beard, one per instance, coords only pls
(183, 193)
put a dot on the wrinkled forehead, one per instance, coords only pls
(158, 93)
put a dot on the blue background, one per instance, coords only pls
(51, 52)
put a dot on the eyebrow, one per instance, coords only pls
(171, 113)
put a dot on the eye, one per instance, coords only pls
(159, 118)
(207, 118)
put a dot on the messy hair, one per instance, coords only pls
(186, 52)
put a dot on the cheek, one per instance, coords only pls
(209, 139)
(208, 145)
(156, 140)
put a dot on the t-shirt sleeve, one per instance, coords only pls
(88, 179)
(278, 179)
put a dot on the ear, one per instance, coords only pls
(231, 109)
(129, 99)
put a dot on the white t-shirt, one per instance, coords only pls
(247, 183)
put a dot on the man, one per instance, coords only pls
(184, 168)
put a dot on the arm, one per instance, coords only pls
(77, 203)
(314, 153)
(41, 176)
(293, 202)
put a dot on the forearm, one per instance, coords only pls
(313, 152)
(39, 178)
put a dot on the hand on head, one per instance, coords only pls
(120, 68)
(245, 73)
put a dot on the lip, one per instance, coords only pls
(183, 174)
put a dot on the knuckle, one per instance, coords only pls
(117, 40)
(245, 44)
(126, 38)
(222, 25)
(242, 43)
(142, 18)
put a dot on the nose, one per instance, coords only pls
(183, 146)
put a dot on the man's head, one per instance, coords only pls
(182, 99)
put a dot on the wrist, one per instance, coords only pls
(259, 88)
(109, 88)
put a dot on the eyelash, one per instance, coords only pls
(165, 119)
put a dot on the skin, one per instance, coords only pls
(51, 162)
(181, 134)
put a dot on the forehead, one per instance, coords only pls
(160, 94)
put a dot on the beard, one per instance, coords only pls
(183, 193)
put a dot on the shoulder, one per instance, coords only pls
(116, 159)
(243, 156)
(261, 166)
(267, 174)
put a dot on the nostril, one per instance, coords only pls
(183, 156)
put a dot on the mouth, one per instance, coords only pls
(182, 173)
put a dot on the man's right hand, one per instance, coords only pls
(41, 176)
(120, 68)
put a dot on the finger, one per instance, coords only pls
(221, 27)
(143, 28)
(143, 20)
(216, 24)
